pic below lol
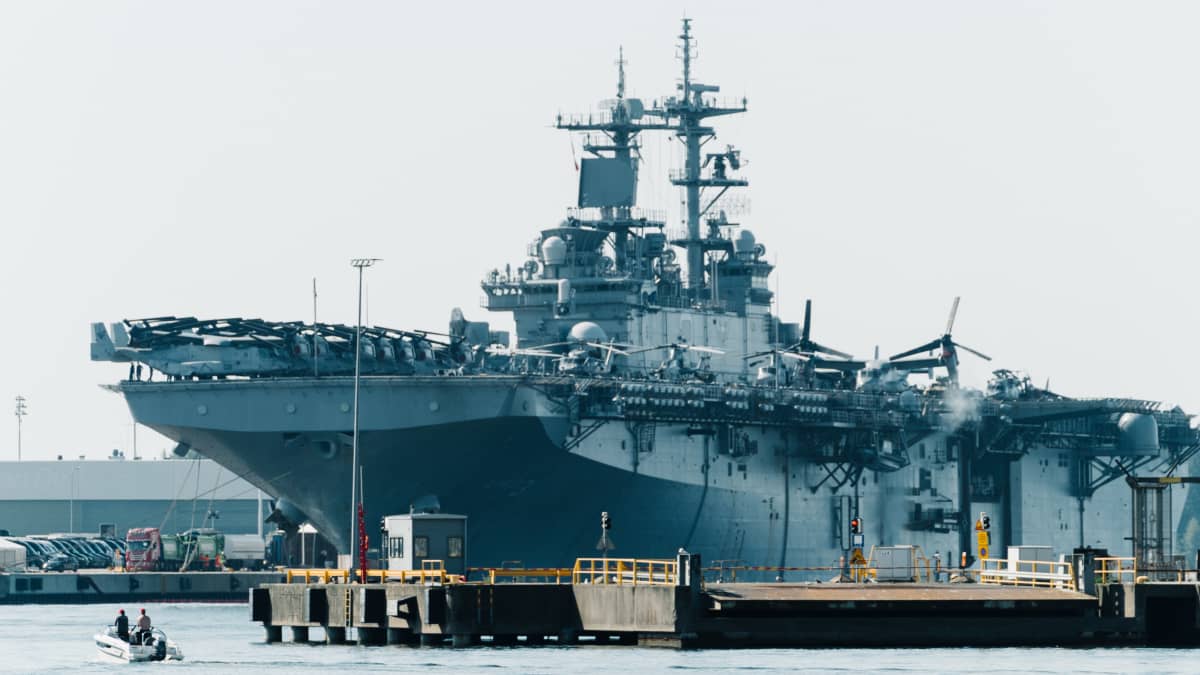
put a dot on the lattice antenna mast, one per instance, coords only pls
(691, 109)
(612, 134)
(621, 72)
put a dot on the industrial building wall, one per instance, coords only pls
(22, 517)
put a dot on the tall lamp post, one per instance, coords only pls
(22, 411)
(360, 264)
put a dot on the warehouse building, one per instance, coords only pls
(84, 496)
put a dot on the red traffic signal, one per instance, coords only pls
(856, 525)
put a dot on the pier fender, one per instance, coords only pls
(435, 606)
(316, 605)
(260, 605)
(234, 582)
(371, 605)
(134, 584)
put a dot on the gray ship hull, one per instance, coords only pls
(534, 494)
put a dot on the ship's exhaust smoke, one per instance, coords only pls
(961, 407)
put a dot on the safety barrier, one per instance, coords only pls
(431, 572)
(1116, 570)
(622, 571)
(1039, 573)
(543, 575)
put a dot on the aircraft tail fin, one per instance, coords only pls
(103, 348)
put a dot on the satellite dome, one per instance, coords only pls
(744, 242)
(554, 250)
(587, 331)
(1137, 434)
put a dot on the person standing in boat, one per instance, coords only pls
(122, 624)
(143, 626)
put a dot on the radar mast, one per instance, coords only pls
(686, 115)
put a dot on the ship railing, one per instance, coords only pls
(1116, 570)
(625, 572)
(432, 577)
(1038, 573)
(652, 217)
(538, 575)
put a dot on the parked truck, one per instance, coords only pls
(244, 551)
(148, 549)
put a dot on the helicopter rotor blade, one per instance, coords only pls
(807, 321)
(928, 346)
(915, 364)
(710, 350)
(818, 347)
(953, 314)
(756, 355)
(981, 355)
(607, 347)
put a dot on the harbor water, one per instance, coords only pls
(221, 639)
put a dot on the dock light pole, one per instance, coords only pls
(22, 411)
(360, 264)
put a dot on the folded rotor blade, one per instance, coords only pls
(845, 366)
(915, 364)
(928, 346)
(817, 347)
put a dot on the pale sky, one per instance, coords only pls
(1040, 159)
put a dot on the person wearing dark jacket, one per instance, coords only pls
(122, 624)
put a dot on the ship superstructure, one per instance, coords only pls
(667, 394)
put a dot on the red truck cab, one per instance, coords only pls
(143, 549)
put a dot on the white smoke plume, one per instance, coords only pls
(961, 406)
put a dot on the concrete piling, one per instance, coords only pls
(335, 635)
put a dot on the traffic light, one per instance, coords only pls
(605, 521)
(987, 522)
(856, 525)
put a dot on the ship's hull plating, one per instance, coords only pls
(505, 454)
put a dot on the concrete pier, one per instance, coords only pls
(106, 586)
(683, 613)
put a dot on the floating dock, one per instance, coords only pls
(667, 603)
(102, 586)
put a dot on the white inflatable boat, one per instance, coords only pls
(155, 646)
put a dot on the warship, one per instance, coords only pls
(664, 392)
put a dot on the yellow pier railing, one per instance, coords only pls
(625, 571)
(431, 572)
(1116, 570)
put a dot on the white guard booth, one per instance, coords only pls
(413, 538)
